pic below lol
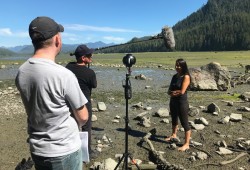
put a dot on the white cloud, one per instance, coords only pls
(73, 39)
(116, 39)
(8, 32)
(21, 34)
(5, 32)
(65, 34)
(78, 27)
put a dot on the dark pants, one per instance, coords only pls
(87, 127)
(179, 109)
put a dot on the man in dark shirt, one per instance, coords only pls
(87, 80)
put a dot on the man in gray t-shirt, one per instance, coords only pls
(49, 91)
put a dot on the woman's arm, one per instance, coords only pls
(185, 84)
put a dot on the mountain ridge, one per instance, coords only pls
(219, 25)
(66, 48)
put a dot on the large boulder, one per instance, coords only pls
(210, 77)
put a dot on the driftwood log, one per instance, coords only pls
(224, 162)
(232, 160)
(161, 162)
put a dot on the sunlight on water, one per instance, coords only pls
(113, 76)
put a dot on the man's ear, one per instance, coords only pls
(57, 40)
(83, 58)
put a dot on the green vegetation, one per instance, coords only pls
(154, 59)
(220, 25)
(234, 97)
(167, 59)
(4, 84)
(5, 52)
(230, 59)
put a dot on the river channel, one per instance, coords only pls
(112, 77)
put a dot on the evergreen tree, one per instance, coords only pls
(220, 25)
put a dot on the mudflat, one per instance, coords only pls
(110, 91)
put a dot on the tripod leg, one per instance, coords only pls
(123, 157)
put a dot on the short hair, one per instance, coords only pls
(42, 43)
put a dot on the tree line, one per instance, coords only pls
(220, 25)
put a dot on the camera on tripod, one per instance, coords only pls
(128, 60)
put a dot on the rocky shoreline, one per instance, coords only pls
(108, 129)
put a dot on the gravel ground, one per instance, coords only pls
(13, 122)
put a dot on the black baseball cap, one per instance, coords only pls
(45, 26)
(82, 50)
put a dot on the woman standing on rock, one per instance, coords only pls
(178, 101)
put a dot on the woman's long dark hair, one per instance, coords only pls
(184, 68)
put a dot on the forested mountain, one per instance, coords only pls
(220, 25)
(5, 52)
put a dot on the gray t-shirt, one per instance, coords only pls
(49, 91)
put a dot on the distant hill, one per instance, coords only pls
(66, 48)
(5, 52)
(17, 48)
(69, 48)
(27, 49)
(219, 25)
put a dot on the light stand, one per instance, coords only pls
(128, 61)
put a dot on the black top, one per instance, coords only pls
(176, 84)
(86, 78)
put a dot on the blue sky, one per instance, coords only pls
(84, 21)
